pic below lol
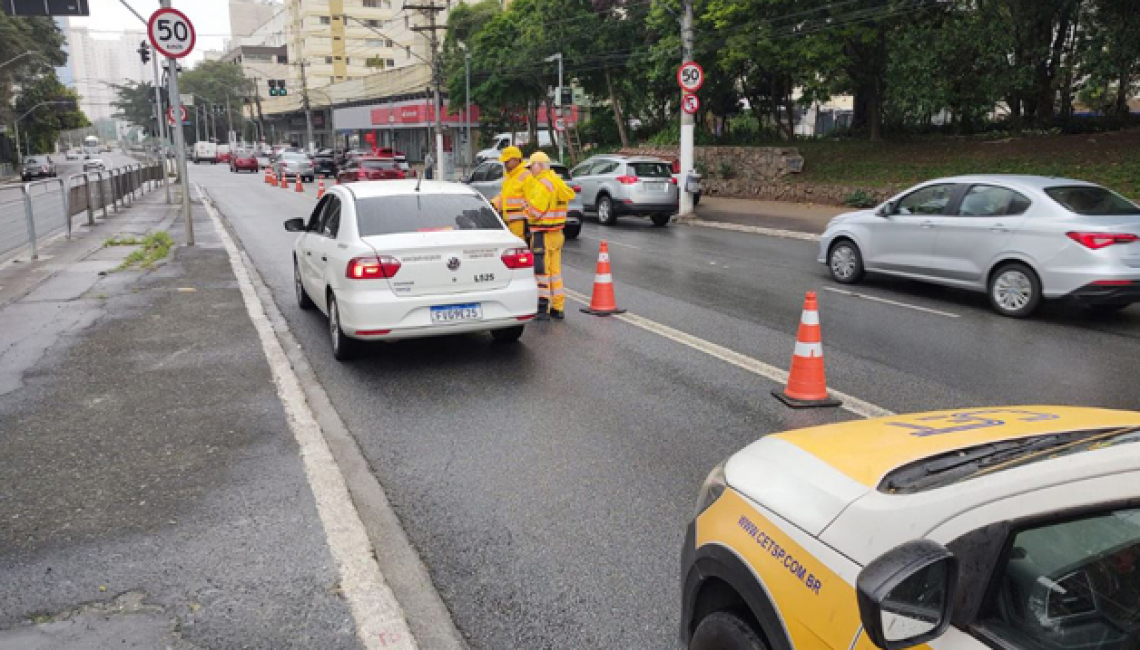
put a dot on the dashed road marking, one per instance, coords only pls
(380, 622)
(896, 303)
(852, 404)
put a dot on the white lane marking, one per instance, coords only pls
(380, 622)
(755, 230)
(852, 404)
(610, 242)
(844, 292)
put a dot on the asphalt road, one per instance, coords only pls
(547, 485)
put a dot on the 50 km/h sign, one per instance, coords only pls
(171, 33)
(690, 77)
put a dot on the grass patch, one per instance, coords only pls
(1110, 159)
(154, 247)
(123, 241)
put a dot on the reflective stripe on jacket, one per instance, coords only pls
(512, 198)
(548, 197)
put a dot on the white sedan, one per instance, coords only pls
(94, 164)
(400, 259)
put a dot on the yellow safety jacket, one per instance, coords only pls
(547, 197)
(511, 200)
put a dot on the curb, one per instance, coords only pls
(755, 230)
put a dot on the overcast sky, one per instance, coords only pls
(211, 19)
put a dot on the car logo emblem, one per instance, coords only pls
(453, 264)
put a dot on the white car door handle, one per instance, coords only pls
(927, 224)
(999, 227)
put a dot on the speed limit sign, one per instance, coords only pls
(171, 33)
(690, 104)
(690, 77)
(185, 115)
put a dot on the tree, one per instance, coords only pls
(1110, 55)
(134, 103)
(214, 83)
(59, 112)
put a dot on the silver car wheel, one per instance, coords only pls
(604, 211)
(1012, 290)
(843, 262)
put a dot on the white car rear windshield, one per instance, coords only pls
(388, 215)
(1091, 200)
(298, 157)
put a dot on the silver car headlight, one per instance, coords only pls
(711, 490)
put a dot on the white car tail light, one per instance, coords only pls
(371, 267)
(518, 258)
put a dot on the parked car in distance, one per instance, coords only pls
(370, 169)
(1019, 239)
(225, 154)
(291, 164)
(488, 179)
(37, 167)
(324, 164)
(264, 161)
(94, 165)
(205, 152)
(634, 185)
(244, 161)
(389, 261)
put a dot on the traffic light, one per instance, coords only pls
(272, 87)
(281, 90)
(144, 52)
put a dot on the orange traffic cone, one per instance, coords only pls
(807, 385)
(299, 188)
(321, 188)
(284, 181)
(603, 302)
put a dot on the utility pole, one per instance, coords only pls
(431, 9)
(558, 101)
(308, 110)
(467, 113)
(162, 130)
(179, 142)
(229, 122)
(688, 123)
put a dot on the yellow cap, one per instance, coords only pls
(539, 156)
(526, 162)
(510, 152)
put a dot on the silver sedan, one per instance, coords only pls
(1020, 239)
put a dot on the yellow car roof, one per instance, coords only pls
(866, 450)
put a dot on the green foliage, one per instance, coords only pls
(212, 83)
(59, 112)
(41, 37)
(860, 199)
(154, 247)
(134, 103)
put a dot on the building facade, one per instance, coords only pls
(97, 61)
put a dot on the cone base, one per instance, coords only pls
(805, 404)
(600, 312)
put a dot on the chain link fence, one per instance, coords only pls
(31, 213)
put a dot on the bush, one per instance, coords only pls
(860, 199)
(725, 170)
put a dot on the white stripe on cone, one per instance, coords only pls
(603, 257)
(810, 318)
(604, 278)
(808, 350)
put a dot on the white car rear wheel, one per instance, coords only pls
(343, 347)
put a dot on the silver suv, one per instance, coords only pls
(488, 179)
(637, 185)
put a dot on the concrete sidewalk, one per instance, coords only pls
(798, 217)
(154, 496)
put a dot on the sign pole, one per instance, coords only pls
(688, 123)
(172, 35)
(180, 143)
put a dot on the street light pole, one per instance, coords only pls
(162, 130)
(308, 108)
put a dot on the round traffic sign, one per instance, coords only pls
(171, 33)
(690, 76)
(690, 104)
(560, 124)
(170, 114)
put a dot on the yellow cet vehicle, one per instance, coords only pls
(1011, 528)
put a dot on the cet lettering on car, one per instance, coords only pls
(970, 420)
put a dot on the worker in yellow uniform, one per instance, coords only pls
(547, 198)
(511, 200)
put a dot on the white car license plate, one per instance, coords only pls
(456, 313)
(655, 187)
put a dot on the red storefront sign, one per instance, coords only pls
(418, 114)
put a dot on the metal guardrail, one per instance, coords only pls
(34, 211)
